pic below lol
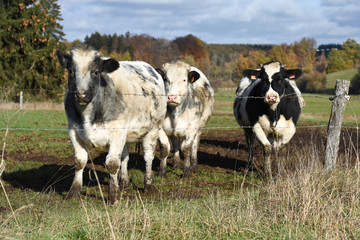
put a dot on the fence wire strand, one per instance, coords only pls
(6, 91)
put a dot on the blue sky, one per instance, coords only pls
(216, 21)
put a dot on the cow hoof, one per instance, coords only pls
(114, 197)
(72, 195)
(177, 165)
(282, 150)
(267, 149)
(74, 192)
(194, 169)
(149, 187)
(162, 173)
(187, 173)
(124, 186)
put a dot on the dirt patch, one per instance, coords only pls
(223, 151)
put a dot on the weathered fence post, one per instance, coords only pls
(335, 121)
(21, 100)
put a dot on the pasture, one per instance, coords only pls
(221, 201)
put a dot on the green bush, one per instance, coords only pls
(355, 84)
(312, 82)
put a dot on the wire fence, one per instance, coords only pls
(217, 95)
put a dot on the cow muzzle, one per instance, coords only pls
(173, 100)
(272, 98)
(82, 97)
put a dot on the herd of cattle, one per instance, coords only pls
(112, 103)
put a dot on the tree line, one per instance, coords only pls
(30, 34)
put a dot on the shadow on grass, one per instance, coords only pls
(49, 177)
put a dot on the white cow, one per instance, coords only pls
(190, 101)
(110, 103)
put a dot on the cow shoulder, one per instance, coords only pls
(289, 105)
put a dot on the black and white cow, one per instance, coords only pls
(111, 103)
(190, 101)
(268, 105)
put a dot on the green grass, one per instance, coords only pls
(343, 75)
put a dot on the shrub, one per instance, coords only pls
(355, 84)
(312, 82)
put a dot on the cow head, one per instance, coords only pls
(178, 78)
(272, 77)
(86, 71)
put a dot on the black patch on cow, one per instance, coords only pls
(144, 92)
(207, 85)
(108, 104)
(155, 100)
(289, 105)
(152, 72)
(138, 72)
(73, 113)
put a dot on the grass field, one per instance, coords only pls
(216, 203)
(344, 75)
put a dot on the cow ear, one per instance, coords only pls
(109, 65)
(251, 74)
(193, 76)
(293, 73)
(64, 59)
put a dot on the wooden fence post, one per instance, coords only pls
(21, 100)
(335, 121)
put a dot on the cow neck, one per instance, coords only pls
(106, 105)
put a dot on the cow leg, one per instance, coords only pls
(124, 176)
(176, 146)
(267, 161)
(81, 158)
(164, 152)
(195, 146)
(149, 144)
(250, 139)
(186, 147)
(113, 164)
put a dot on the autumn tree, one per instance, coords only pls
(191, 45)
(336, 61)
(348, 57)
(30, 34)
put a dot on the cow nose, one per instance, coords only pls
(271, 98)
(172, 99)
(81, 96)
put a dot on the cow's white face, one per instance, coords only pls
(82, 75)
(272, 96)
(178, 77)
(86, 72)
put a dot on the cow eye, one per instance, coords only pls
(184, 80)
(96, 72)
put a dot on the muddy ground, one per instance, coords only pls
(220, 150)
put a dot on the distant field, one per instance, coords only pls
(344, 75)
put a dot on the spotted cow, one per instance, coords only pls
(268, 106)
(111, 103)
(190, 101)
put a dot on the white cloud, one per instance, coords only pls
(216, 21)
